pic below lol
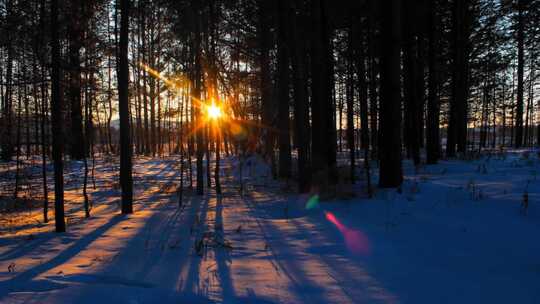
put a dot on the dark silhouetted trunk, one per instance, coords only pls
(457, 128)
(373, 44)
(361, 74)
(218, 160)
(391, 174)
(328, 93)
(433, 107)
(301, 102)
(197, 95)
(7, 108)
(126, 179)
(319, 155)
(76, 147)
(57, 122)
(520, 81)
(411, 79)
(265, 41)
(283, 91)
(323, 156)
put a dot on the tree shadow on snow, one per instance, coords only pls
(23, 280)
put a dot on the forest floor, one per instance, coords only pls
(454, 233)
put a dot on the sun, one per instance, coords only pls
(213, 111)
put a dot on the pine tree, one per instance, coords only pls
(126, 179)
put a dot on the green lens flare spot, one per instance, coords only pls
(312, 202)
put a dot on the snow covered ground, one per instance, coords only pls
(454, 233)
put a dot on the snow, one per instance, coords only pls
(454, 233)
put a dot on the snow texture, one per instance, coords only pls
(455, 232)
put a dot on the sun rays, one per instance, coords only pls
(210, 111)
(213, 112)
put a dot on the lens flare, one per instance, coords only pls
(312, 202)
(238, 131)
(213, 111)
(356, 241)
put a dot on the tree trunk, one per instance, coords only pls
(322, 113)
(361, 74)
(197, 94)
(457, 128)
(44, 145)
(217, 181)
(283, 89)
(57, 122)
(75, 36)
(265, 81)
(301, 102)
(521, 62)
(373, 43)
(7, 107)
(390, 172)
(411, 79)
(432, 125)
(319, 157)
(328, 93)
(126, 179)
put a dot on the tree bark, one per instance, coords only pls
(265, 78)
(283, 92)
(457, 128)
(390, 172)
(301, 102)
(319, 157)
(7, 107)
(520, 72)
(126, 179)
(57, 122)
(76, 147)
(433, 115)
(412, 78)
(197, 94)
(373, 43)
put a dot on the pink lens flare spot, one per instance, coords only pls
(356, 241)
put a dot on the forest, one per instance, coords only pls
(269, 151)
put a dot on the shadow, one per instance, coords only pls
(164, 237)
(283, 210)
(192, 281)
(99, 279)
(18, 281)
(250, 299)
(23, 245)
(222, 255)
(344, 266)
(283, 256)
(308, 246)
